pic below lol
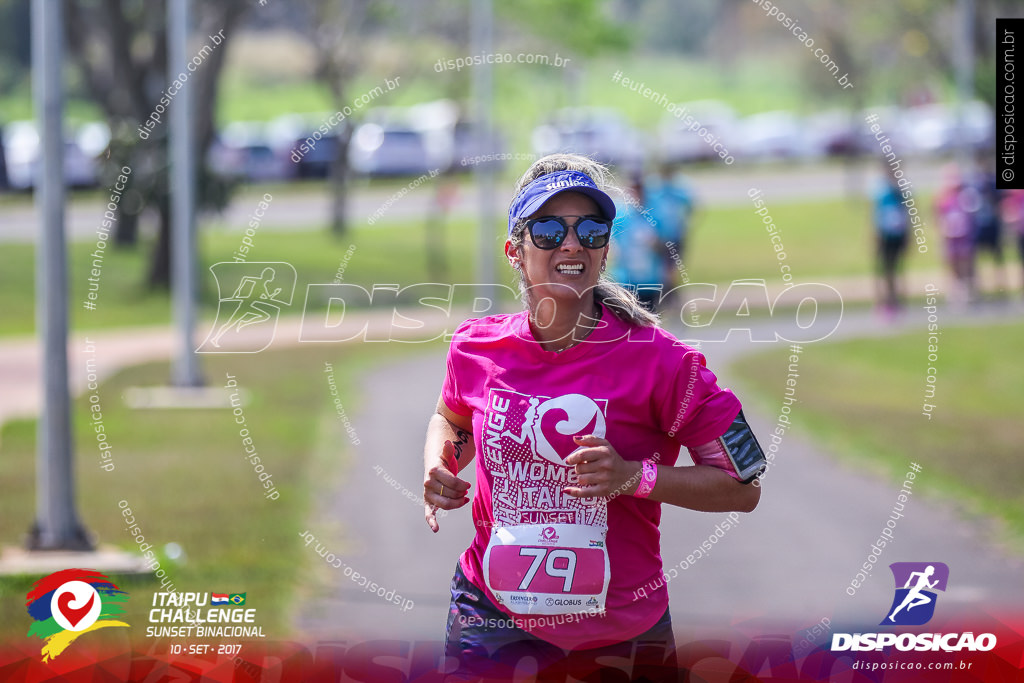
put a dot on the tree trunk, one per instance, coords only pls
(338, 181)
(204, 95)
(160, 259)
(127, 232)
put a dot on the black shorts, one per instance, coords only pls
(988, 238)
(890, 248)
(486, 642)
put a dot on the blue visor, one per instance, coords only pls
(541, 189)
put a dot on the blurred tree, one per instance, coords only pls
(344, 32)
(120, 49)
(681, 26)
(584, 27)
(904, 45)
(340, 30)
(938, 21)
(15, 51)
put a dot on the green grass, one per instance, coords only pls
(749, 86)
(863, 399)
(385, 253)
(822, 240)
(186, 479)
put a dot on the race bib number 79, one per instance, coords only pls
(548, 569)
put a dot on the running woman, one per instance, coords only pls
(576, 410)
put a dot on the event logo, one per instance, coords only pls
(247, 317)
(916, 583)
(69, 603)
(548, 535)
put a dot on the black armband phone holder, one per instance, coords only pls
(744, 452)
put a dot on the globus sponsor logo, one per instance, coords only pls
(564, 601)
(919, 642)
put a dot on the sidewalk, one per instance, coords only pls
(21, 361)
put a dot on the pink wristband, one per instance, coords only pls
(648, 478)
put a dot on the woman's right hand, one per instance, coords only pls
(442, 489)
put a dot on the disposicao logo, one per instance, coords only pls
(69, 603)
(914, 605)
(916, 583)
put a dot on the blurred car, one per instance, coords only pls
(678, 143)
(452, 142)
(317, 160)
(93, 138)
(244, 151)
(772, 135)
(388, 150)
(472, 147)
(294, 139)
(930, 128)
(833, 133)
(935, 128)
(890, 122)
(22, 148)
(979, 125)
(602, 134)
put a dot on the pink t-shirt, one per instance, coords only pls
(640, 388)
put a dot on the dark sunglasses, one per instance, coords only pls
(548, 232)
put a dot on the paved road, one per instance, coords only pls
(310, 210)
(789, 562)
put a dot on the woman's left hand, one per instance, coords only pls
(601, 470)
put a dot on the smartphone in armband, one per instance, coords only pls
(744, 452)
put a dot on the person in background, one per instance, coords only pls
(891, 225)
(637, 263)
(1011, 211)
(981, 201)
(672, 204)
(952, 207)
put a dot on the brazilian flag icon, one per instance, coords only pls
(237, 598)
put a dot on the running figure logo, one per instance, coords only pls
(247, 318)
(916, 583)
